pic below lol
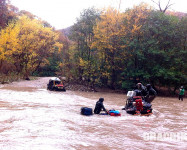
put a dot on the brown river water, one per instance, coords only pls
(33, 118)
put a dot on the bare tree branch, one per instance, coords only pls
(159, 5)
(167, 6)
(154, 2)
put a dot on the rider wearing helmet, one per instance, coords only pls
(140, 90)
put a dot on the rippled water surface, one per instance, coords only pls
(32, 118)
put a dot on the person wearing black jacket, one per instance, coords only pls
(147, 92)
(140, 90)
(99, 106)
(151, 94)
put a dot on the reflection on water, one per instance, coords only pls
(34, 118)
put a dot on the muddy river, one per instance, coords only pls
(33, 118)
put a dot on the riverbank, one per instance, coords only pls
(163, 92)
(85, 88)
(41, 82)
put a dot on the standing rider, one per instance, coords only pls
(151, 93)
(147, 92)
(140, 90)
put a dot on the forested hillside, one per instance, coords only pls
(117, 49)
(105, 48)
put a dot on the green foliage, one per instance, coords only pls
(150, 48)
(162, 46)
(84, 57)
(49, 69)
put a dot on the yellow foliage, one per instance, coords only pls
(81, 62)
(108, 30)
(135, 18)
(28, 42)
(8, 41)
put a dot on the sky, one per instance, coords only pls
(63, 13)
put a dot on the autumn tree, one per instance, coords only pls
(58, 63)
(31, 44)
(8, 43)
(3, 12)
(8, 12)
(108, 32)
(65, 66)
(27, 13)
(133, 33)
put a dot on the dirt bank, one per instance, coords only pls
(41, 82)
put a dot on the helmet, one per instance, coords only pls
(139, 85)
(101, 99)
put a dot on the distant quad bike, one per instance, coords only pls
(55, 84)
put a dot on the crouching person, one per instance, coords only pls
(99, 106)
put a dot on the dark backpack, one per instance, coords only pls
(86, 111)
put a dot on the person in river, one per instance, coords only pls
(147, 92)
(99, 106)
(181, 93)
(140, 89)
(150, 93)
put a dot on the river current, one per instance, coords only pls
(33, 118)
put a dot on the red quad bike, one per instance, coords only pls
(136, 105)
(55, 84)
